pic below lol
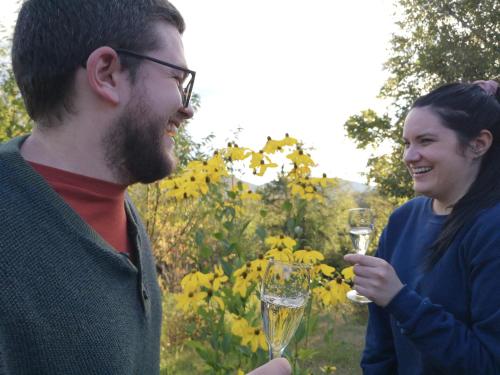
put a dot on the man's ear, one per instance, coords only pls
(104, 74)
(482, 143)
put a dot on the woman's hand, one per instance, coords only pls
(374, 278)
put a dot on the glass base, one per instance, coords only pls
(358, 298)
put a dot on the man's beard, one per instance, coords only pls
(135, 147)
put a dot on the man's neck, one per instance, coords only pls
(65, 149)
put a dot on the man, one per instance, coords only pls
(107, 85)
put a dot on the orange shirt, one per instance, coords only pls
(101, 204)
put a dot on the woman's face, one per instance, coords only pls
(441, 168)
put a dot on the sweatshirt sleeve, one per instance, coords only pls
(379, 356)
(446, 342)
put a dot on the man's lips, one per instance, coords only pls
(171, 129)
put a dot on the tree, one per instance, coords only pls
(438, 41)
(14, 120)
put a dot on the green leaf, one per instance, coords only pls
(306, 354)
(199, 237)
(261, 232)
(205, 252)
(228, 225)
(218, 235)
(287, 206)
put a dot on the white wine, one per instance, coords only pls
(281, 317)
(360, 239)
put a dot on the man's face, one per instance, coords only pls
(139, 146)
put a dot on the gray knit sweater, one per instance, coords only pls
(69, 303)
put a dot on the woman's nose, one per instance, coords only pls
(411, 154)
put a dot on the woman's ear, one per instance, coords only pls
(104, 74)
(481, 144)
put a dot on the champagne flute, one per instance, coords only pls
(361, 222)
(284, 295)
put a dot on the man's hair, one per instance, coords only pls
(52, 38)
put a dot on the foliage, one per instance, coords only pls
(213, 236)
(14, 120)
(438, 41)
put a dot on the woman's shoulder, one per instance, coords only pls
(488, 218)
(481, 240)
(420, 205)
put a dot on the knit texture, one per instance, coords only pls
(446, 320)
(69, 302)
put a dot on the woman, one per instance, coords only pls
(435, 281)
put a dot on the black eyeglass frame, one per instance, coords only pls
(185, 92)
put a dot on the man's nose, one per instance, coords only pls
(186, 112)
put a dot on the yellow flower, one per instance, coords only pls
(254, 338)
(245, 276)
(333, 292)
(263, 167)
(300, 158)
(234, 153)
(280, 253)
(299, 171)
(328, 369)
(272, 146)
(238, 324)
(253, 304)
(257, 157)
(188, 301)
(289, 141)
(310, 257)
(325, 269)
(348, 272)
(240, 372)
(281, 240)
(216, 302)
(250, 195)
(259, 265)
(195, 280)
(217, 278)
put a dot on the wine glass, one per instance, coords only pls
(361, 222)
(284, 295)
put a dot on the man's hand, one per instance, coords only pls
(374, 278)
(278, 366)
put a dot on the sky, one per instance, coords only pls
(270, 67)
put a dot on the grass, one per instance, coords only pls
(338, 342)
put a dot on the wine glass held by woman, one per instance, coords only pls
(435, 278)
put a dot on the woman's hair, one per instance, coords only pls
(467, 109)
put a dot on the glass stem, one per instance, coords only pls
(274, 353)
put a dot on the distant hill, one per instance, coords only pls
(358, 187)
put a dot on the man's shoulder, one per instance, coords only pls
(12, 146)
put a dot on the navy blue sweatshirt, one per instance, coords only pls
(446, 320)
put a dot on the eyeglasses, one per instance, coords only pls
(186, 87)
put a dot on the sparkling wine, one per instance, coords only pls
(281, 318)
(360, 239)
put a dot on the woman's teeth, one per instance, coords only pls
(421, 170)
